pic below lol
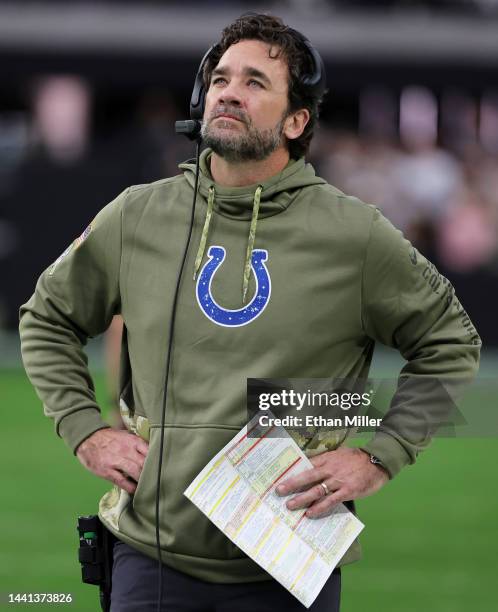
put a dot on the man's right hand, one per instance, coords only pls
(117, 456)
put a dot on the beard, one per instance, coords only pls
(235, 146)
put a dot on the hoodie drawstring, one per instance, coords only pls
(205, 230)
(250, 240)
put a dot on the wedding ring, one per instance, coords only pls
(325, 488)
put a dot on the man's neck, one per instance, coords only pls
(241, 174)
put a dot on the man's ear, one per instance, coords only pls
(295, 123)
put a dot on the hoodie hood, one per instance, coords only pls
(251, 202)
(277, 193)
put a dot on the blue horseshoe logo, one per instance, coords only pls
(242, 316)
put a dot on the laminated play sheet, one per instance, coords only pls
(236, 491)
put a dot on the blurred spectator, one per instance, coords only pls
(467, 234)
(426, 178)
(62, 117)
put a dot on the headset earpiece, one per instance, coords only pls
(316, 82)
(198, 97)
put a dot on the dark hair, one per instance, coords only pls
(271, 30)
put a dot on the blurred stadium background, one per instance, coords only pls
(89, 92)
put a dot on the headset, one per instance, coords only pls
(315, 84)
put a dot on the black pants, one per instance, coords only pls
(134, 589)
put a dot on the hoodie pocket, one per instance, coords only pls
(184, 529)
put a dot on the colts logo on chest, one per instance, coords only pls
(242, 316)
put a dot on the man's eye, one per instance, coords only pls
(253, 83)
(218, 80)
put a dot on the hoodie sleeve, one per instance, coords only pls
(75, 298)
(408, 305)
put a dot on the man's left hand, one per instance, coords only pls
(347, 473)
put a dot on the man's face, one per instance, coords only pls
(246, 103)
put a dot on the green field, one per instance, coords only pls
(430, 543)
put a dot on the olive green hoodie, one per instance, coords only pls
(330, 276)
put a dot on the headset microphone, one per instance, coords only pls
(191, 128)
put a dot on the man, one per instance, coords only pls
(341, 278)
